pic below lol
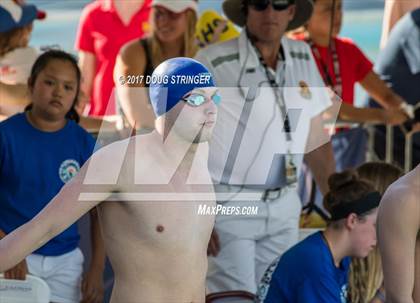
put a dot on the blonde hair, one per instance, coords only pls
(366, 275)
(189, 48)
(380, 174)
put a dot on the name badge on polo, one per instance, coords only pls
(291, 169)
(304, 91)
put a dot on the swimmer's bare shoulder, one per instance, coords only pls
(398, 230)
(138, 160)
(102, 175)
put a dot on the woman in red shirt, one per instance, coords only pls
(342, 64)
(105, 26)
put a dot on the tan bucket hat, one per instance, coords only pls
(304, 8)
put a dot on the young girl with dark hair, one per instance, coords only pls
(41, 150)
(316, 269)
(49, 65)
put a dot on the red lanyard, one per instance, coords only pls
(338, 86)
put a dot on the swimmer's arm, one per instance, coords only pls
(59, 214)
(97, 243)
(398, 225)
(92, 282)
(130, 82)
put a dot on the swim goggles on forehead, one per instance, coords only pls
(196, 99)
(278, 5)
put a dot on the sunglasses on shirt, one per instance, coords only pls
(278, 5)
(196, 100)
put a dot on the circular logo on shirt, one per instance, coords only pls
(344, 294)
(68, 169)
(266, 280)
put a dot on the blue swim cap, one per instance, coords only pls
(173, 79)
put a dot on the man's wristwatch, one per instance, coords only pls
(408, 109)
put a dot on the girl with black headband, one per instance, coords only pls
(316, 269)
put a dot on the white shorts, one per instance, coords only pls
(62, 273)
(249, 244)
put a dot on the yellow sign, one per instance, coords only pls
(146, 28)
(211, 28)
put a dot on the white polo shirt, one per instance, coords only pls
(261, 147)
(15, 66)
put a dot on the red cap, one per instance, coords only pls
(40, 15)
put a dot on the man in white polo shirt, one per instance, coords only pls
(269, 122)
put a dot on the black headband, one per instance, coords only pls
(358, 207)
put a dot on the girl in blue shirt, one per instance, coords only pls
(41, 150)
(316, 269)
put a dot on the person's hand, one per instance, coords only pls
(416, 128)
(93, 286)
(394, 116)
(82, 103)
(408, 109)
(214, 244)
(18, 272)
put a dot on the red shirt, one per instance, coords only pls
(354, 65)
(102, 33)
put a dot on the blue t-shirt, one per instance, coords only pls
(306, 274)
(34, 166)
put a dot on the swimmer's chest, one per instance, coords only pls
(161, 223)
